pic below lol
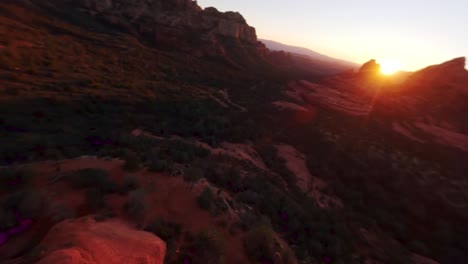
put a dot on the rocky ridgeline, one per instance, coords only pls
(449, 76)
(176, 24)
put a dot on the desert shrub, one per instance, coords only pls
(206, 247)
(277, 164)
(131, 162)
(158, 166)
(208, 201)
(28, 203)
(228, 178)
(14, 178)
(259, 244)
(193, 174)
(130, 183)
(166, 230)
(87, 178)
(251, 219)
(59, 211)
(182, 152)
(32, 204)
(182, 157)
(233, 180)
(247, 197)
(95, 199)
(136, 205)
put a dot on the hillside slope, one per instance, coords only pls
(177, 121)
(312, 55)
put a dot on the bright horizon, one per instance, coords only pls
(412, 33)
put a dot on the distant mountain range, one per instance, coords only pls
(276, 46)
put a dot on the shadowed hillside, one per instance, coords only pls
(160, 120)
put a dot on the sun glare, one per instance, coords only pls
(389, 67)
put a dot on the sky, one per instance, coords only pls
(411, 33)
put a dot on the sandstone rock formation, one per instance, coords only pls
(443, 92)
(84, 240)
(370, 67)
(450, 76)
(176, 24)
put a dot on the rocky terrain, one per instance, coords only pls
(89, 241)
(180, 25)
(159, 132)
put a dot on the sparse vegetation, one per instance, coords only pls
(14, 178)
(193, 174)
(166, 230)
(58, 211)
(205, 247)
(131, 162)
(136, 205)
(91, 178)
(28, 204)
(58, 106)
(95, 199)
(130, 183)
(259, 244)
(209, 201)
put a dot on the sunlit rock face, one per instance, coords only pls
(450, 76)
(84, 240)
(176, 24)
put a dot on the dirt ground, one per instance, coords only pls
(170, 198)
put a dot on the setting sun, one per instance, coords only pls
(388, 67)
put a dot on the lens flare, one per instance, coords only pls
(389, 67)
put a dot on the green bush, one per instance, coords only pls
(259, 244)
(166, 230)
(131, 162)
(208, 201)
(193, 174)
(207, 247)
(14, 178)
(29, 204)
(87, 178)
(32, 204)
(130, 183)
(247, 197)
(95, 199)
(136, 205)
(158, 166)
(251, 219)
(58, 212)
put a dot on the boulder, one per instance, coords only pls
(84, 240)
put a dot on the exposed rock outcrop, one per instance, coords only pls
(442, 91)
(176, 24)
(84, 240)
(370, 67)
(450, 76)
